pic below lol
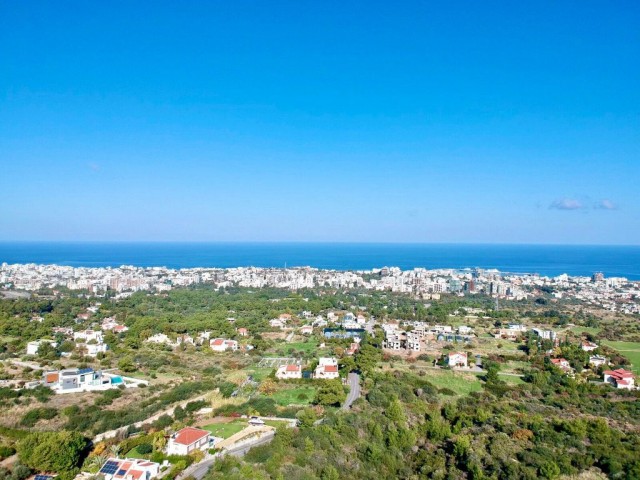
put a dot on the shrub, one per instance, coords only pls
(145, 448)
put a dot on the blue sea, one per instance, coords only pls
(542, 259)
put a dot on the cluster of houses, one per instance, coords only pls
(183, 442)
(327, 369)
(89, 342)
(416, 339)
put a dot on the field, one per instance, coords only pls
(631, 350)
(305, 347)
(461, 383)
(590, 330)
(225, 430)
(290, 396)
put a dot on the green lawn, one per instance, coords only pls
(307, 347)
(275, 423)
(591, 330)
(631, 350)
(225, 430)
(511, 379)
(257, 373)
(133, 453)
(289, 396)
(461, 383)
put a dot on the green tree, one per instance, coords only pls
(52, 451)
(330, 393)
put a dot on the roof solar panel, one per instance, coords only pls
(110, 467)
(85, 370)
(43, 477)
(122, 472)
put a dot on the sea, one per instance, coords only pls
(546, 260)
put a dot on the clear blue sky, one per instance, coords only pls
(478, 121)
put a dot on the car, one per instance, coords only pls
(256, 421)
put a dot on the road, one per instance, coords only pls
(354, 390)
(199, 470)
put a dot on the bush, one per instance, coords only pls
(145, 448)
(6, 451)
(32, 416)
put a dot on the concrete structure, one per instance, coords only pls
(34, 347)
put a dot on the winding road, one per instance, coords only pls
(354, 390)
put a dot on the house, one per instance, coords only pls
(129, 469)
(306, 330)
(589, 346)
(88, 335)
(598, 360)
(222, 345)
(464, 330)
(277, 323)
(457, 359)
(620, 378)
(188, 440)
(33, 347)
(562, 364)
(75, 380)
(506, 334)
(243, 332)
(327, 368)
(286, 372)
(92, 349)
(159, 338)
(545, 334)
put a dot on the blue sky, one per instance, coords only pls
(499, 122)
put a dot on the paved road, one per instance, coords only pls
(354, 390)
(199, 470)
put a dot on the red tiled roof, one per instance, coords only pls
(619, 374)
(330, 368)
(190, 435)
(52, 377)
(293, 368)
(136, 474)
(217, 341)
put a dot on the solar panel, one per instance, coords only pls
(110, 467)
(122, 472)
(43, 477)
(85, 370)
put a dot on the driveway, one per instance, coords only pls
(354, 390)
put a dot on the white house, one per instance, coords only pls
(457, 359)
(129, 469)
(88, 335)
(620, 378)
(286, 372)
(188, 440)
(306, 330)
(222, 345)
(33, 347)
(159, 338)
(327, 369)
(598, 360)
(562, 364)
(589, 346)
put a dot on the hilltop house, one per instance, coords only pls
(589, 346)
(74, 380)
(327, 369)
(457, 359)
(620, 378)
(222, 345)
(33, 347)
(563, 364)
(188, 440)
(286, 372)
(129, 469)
